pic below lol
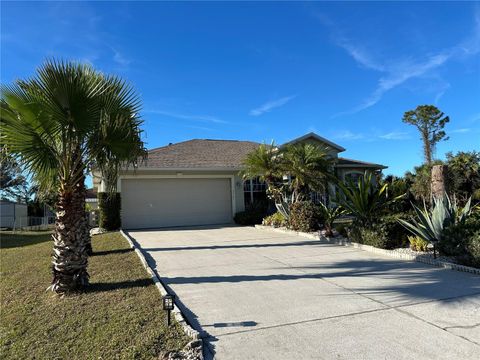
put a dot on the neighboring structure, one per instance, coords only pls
(91, 199)
(197, 182)
(13, 215)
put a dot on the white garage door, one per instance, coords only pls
(151, 203)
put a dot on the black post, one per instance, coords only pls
(434, 251)
(168, 317)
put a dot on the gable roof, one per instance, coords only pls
(200, 154)
(316, 137)
(344, 162)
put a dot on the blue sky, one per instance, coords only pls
(263, 71)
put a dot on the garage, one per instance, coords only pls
(168, 202)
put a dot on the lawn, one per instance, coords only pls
(120, 316)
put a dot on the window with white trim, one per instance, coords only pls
(254, 190)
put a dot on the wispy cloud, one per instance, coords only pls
(270, 105)
(202, 118)
(460, 131)
(474, 117)
(396, 72)
(348, 135)
(374, 135)
(395, 135)
(120, 59)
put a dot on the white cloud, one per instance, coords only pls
(348, 135)
(396, 72)
(202, 118)
(395, 135)
(459, 131)
(120, 59)
(270, 105)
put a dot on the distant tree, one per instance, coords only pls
(12, 180)
(430, 121)
(464, 174)
(421, 180)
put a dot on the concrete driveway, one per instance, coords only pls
(262, 295)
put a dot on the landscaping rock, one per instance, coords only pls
(191, 351)
(96, 231)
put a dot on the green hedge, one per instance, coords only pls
(109, 206)
(253, 214)
(304, 216)
(386, 233)
(463, 242)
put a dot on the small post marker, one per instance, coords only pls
(168, 304)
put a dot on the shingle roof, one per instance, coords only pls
(350, 162)
(200, 153)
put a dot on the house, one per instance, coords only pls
(13, 214)
(197, 182)
(91, 199)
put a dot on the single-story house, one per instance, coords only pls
(197, 182)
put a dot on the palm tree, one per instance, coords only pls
(262, 163)
(309, 166)
(61, 123)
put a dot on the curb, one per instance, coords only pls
(391, 253)
(179, 317)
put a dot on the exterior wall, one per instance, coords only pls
(13, 215)
(332, 152)
(342, 171)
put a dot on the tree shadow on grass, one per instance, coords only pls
(11, 240)
(103, 286)
(109, 252)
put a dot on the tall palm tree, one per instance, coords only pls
(309, 166)
(62, 122)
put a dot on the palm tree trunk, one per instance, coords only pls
(70, 257)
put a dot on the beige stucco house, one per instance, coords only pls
(197, 182)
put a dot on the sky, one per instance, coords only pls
(264, 71)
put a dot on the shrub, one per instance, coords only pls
(374, 235)
(304, 216)
(354, 234)
(253, 214)
(275, 220)
(329, 215)
(417, 244)
(397, 235)
(342, 229)
(462, 241)
(386, 233)
(109, 206)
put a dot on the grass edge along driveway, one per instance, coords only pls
(120, 316)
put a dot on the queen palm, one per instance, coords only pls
(309, 166)
(264, 164)
(62, 122)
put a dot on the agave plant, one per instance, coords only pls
(330, 215)
(430, 225)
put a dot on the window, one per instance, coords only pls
(318, 198)
(353, 177)
(254, 190)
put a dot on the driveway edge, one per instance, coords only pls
(391, 253)
(179, 317)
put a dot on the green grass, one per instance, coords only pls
(119, 317)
